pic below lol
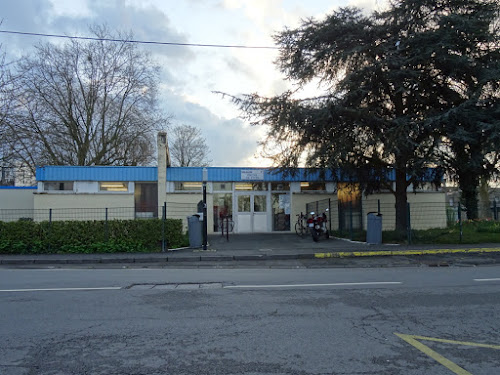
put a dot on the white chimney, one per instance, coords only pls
(163, 163)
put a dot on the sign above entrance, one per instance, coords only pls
(252, 174)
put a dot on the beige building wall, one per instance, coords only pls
(70, 206)
(16, 204)
(427, 209)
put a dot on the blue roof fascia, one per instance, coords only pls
(191, 174)
(18, 187)
(96, 173)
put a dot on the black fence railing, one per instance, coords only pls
(173, 211)
(425, 221)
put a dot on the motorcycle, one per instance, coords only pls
(317, 226)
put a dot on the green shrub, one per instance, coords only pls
(28, 237)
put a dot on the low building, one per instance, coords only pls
(248, 199)
(254, 199)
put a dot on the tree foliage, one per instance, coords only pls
(188, 147)
(390, 80)
(86, 103)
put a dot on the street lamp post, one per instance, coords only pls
(205, 217)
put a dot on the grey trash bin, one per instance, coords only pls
(195, 231)
(374, 228)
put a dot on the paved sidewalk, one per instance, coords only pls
(273, 247)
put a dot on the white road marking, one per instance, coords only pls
(59, 289)
(497, 279)
(315, 285)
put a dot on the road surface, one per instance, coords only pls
(250, 321)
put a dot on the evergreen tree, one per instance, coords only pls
(389, 85)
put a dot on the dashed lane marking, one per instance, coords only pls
(413, 341)
(58, 289)
(314, 285)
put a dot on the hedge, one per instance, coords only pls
(28, 237)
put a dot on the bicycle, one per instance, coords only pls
(301, 225)
(226, 224)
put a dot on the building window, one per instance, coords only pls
(187, 186)
(311, 186)
(244, 203)
(113, 186)
(222, 186)
(280, 186)
(58, 186)
(249, 186)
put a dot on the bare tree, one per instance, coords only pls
(86, 103)
(188, 147)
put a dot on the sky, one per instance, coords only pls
(190, 75)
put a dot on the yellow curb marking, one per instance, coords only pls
(345, 254)
(412, 340)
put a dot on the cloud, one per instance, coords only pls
(231, 141)
(41, 16)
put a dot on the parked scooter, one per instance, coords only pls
(317, 226)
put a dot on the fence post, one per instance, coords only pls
(330, 214)
(408, 222)
(460, 220)
(339, 217)
(50, 228)
(164, 220)
(106, 228)
(350, 220)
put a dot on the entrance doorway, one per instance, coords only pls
(252, 213)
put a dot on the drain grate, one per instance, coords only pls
(176, 286)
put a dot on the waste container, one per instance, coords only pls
(195, 231)
(374, 228)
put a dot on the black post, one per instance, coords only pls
(330, 214)
(341, 217)
(408, 221)
(495, 210)
(460, 220)
(205, 218)
(106, 228)
(378, 207)
(50, 226)
(350, 220)
(163, 222)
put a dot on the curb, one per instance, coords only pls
(248, 257)
(353, 254)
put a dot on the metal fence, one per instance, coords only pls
(351, 217)
(173, 211)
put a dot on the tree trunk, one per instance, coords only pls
(468, 185)
(401, 201)
(484, 199)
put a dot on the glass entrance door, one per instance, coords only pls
(252, 215)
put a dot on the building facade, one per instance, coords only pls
(251, 200)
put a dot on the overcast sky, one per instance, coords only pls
(190, 74)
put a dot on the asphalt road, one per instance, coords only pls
(250, 321)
